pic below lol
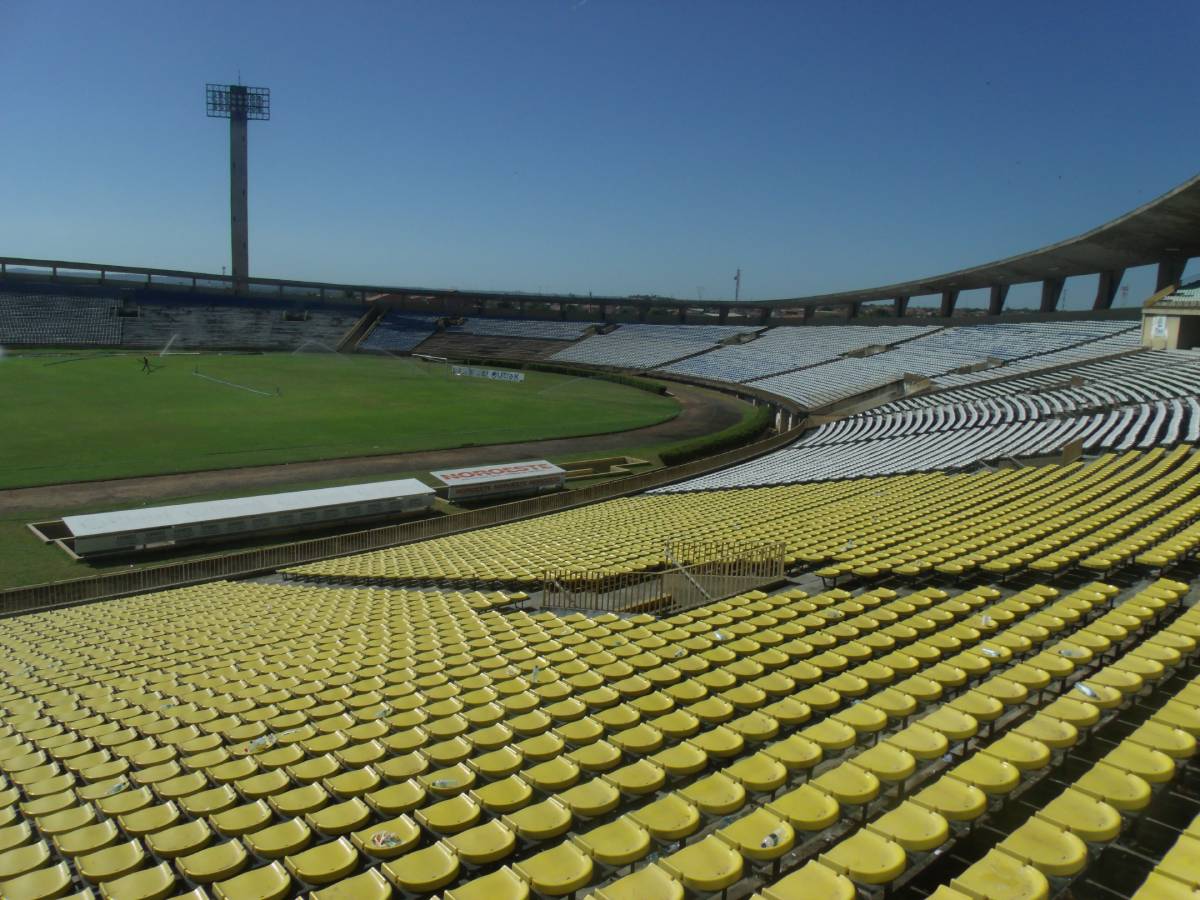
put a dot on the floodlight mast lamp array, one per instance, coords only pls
(239, 104)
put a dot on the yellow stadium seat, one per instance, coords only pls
(111, 862)
(147, 883)
(559, 871)
(707, 865)
(270, 882)
(215, 863)
(502, 884)
(324, 863)
(813, 881)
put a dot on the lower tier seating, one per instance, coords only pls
(193, 327)
(40, 320)
(399, 332)
(266, 740)
(1092, 515)
(453, 345)
(1100, 802)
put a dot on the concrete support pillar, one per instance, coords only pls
(949, 299)
(808, 313)
(682, 315)
(764, 317)
(239, 219)
(901, 307)
(1051, 292)
(603, 312)
(852, 310)
(1170, 271)
(562, 311)
(723, 314)
(1106, 288)
(521, 307)
(997, 294)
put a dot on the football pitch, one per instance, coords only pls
(82, 416)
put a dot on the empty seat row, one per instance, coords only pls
(647, 346)
(133, 805)
(539, 329)
(787, 348)
(903, 525)
(1053, 842)
(398, 332)
(41, 320)
(893, 760)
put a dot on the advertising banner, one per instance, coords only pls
(492, 374)
(527, 477)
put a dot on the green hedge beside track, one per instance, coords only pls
(733, 436)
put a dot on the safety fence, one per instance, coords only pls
(257, 562)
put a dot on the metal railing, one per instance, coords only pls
(17, 268)
(693, 573)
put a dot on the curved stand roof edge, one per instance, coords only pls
(1167, 227)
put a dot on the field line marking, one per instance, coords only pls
(233, 384)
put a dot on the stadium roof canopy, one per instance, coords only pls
(1165, 230)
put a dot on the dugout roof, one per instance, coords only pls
(240, 507)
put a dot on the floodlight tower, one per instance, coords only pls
(238, 104)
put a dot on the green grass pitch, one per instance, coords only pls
(74, 417)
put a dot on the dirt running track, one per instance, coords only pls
(703, 412)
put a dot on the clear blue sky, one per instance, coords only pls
(617, 146)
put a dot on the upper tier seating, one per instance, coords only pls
(647, 346)
(539, 329)
(42, 320)
(786, 348)
(1140, 400)
(987, 436)
(1007, 341)
(399, 332)
(1123, 342)
(1153, 375)
(937, 354)
(1186, 297)
(454, 345)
